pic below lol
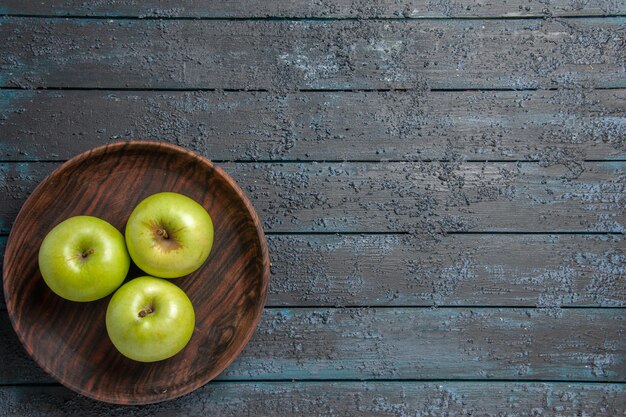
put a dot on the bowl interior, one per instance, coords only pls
(69, 339)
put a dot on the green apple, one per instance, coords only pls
(150, 319)
(169, 235)
(83, 258)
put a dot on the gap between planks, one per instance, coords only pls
(343, 161)
(309, 19)
(368, 380)
(404, 233)
(426, 307)
(437, 306)
(298, 90)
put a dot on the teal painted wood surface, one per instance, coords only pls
(293, 55)
(412, 343)
(547, 126)
(301, 8)
(482, 285)
(545, 271)
(385, 399)
(423, 198)
(367, 399)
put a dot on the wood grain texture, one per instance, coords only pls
(22, 368)
(423, 198)
(536, 270)
(367, 399)
(292, 55)
(304, 8)
(3, 245)
(548, 271)
(412, 343)
(504, 125)
(379, 85)
(430, 198)
(228, 291)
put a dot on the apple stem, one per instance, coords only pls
(145, 311)
(87, 252)
(162, 233)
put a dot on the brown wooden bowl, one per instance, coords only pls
(69, 339)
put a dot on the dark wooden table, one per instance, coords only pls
(442, 183)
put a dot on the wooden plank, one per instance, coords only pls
(366, 399)
(503, 125)
(3, 245)
(513, 270)
(304, 8)
(426, 199)
(547, 271)
(22, 367)
(423, 343)
(384, 343)
(17, 181)
(290, 55)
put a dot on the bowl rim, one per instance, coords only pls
(101, 151)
